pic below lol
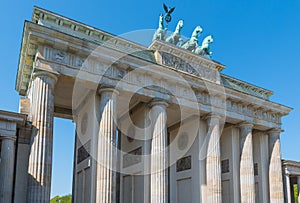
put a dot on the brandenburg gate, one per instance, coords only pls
(157, 123)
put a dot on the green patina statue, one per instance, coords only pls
(160, 33)
(176, 37)
(205, 47)
(168, 11)
(192, 43)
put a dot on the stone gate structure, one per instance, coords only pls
(153, 124)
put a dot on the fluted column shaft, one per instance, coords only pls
(159, 153)
(107, 154)
(213, 162)
(247, 180)
(288, 188)
(202, 160)
(40, 159)
(236, 165)
(264, 153)
(7, 168)
(275, 170)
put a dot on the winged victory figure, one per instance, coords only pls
(168, 10)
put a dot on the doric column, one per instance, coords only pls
(159, 153)
(40, 159)
(275, 168)
(236, 165)
(264, 157)
(213, 162)
(107, 149)
(288, 187)
(264, 154)
(202, 159)
(247, 180)
(7, 168)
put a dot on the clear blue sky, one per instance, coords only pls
(257, 40)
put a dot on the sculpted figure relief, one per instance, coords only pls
(176, 37)
(192, 43)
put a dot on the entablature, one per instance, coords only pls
(238, 106)
(185, 74)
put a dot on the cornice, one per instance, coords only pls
(287, 163)
(65, 24)
(242, 86)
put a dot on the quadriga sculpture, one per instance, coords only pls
(205, 47)
(176, 37)
(192, 43)
(160, 33)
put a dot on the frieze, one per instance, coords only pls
(141, 79)
(238, 107)
(60, 56)
(190, 68)
(203, 97)
(250, 111)
(63, 57)
(120, 73)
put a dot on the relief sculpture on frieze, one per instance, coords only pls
(187, 67)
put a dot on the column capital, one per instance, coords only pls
(212, 119)
(110, 89)
(212, 115)
(275, 131)
(48, 74)
(8, 133)
(158, 101)
(247, 125)
(13, 138)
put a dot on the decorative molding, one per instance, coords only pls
(184, 164)
(225, 166)
(185, 55)
(74, 28)
(190, 68)
(247, 88)
(248, 110)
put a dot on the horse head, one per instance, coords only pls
(179, 24)
(208, 40)
(196, 31)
